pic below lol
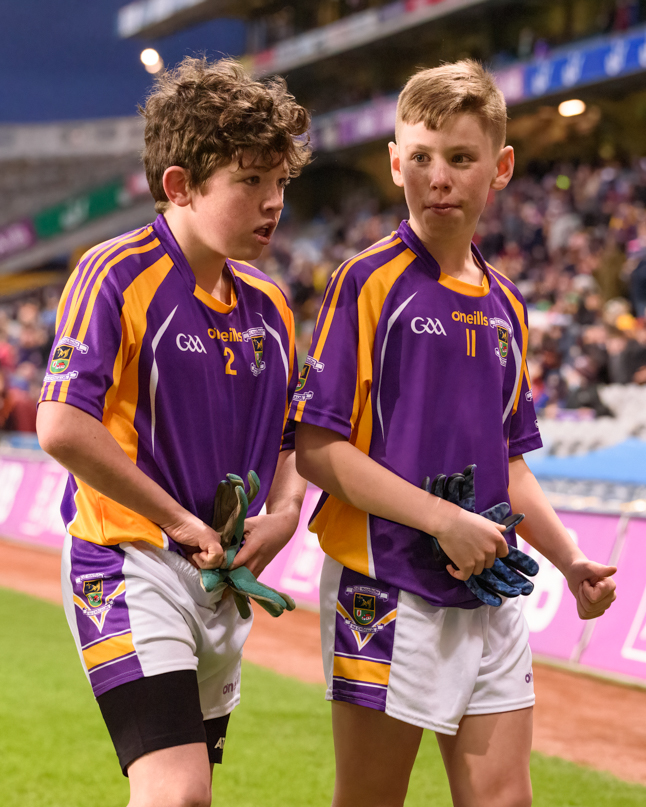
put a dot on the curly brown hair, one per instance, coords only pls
(203, 115)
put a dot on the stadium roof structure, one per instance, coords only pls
(155, 18)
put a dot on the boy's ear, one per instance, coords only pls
(504, 168)
(175, 181)
(395, 164)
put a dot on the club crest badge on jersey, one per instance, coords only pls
(93, 592)
(364, 608)
(61, 359)
(503, 341)
(504, 333)
(257, 338)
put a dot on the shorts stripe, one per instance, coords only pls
(108, 650)
(368, 672)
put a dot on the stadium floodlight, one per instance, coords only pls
(151, 60)
(572, 107)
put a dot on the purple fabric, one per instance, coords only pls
(219, 402)
(365, 629)
(444, 369)
(98, 582)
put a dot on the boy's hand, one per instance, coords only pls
(204, 549)
(264, 537)
(473, 543)
(592, 586)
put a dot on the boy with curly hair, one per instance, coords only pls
(173, 366)
(417, 371)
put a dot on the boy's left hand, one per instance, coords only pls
(592, 586)
(264, 537)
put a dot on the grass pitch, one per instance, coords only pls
(55, 750)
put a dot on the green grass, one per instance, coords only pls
(55, 750)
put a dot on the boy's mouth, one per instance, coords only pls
(263, 234)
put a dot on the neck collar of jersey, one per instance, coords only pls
(168, 241)
(411, 240)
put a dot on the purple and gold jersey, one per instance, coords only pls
(190, 388)
(426, 374)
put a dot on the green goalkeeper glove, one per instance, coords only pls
(231, 504)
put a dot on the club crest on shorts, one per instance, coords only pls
(61, 359)
(93, 592)
(364, 608)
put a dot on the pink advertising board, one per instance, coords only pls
(30, 497)
(31, 491)
(618, 642)
(555, 627)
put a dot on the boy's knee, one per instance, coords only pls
(184, 793)
(513, 794)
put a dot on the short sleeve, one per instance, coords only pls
(86, 357)
(288, 442)
(523, 433)
(326, 390)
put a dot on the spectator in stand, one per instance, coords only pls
(17, 408)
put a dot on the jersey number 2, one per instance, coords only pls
(229, 367)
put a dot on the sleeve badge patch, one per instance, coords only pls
(61, 359)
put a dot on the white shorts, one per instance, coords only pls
(137, 611)
(390, 650)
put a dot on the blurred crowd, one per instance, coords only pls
(573, 240)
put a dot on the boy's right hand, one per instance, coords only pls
(204, 549)
(472, 542)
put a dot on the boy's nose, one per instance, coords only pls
(440, 178)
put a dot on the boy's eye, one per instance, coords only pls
(419, 158)
(460, 158)
(254, 180)
(283, 183)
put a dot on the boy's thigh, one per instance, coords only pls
(487, 761)
(136, 612)
(391, 651)
(374, 756)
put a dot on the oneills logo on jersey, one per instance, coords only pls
(477, 318)
(98, 613)
(93, 592)
(257, 338)
(61, 359)
(364, 608)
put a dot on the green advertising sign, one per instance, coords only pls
(73, 213)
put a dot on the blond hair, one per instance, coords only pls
(203, 115)
(434, 95)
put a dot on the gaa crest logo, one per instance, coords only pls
(93, 592)
(61, 359)
(363, 608)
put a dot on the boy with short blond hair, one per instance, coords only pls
(173, 366)
(417, 371)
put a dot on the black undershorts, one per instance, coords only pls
(157, 712)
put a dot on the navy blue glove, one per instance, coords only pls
(504, 578)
